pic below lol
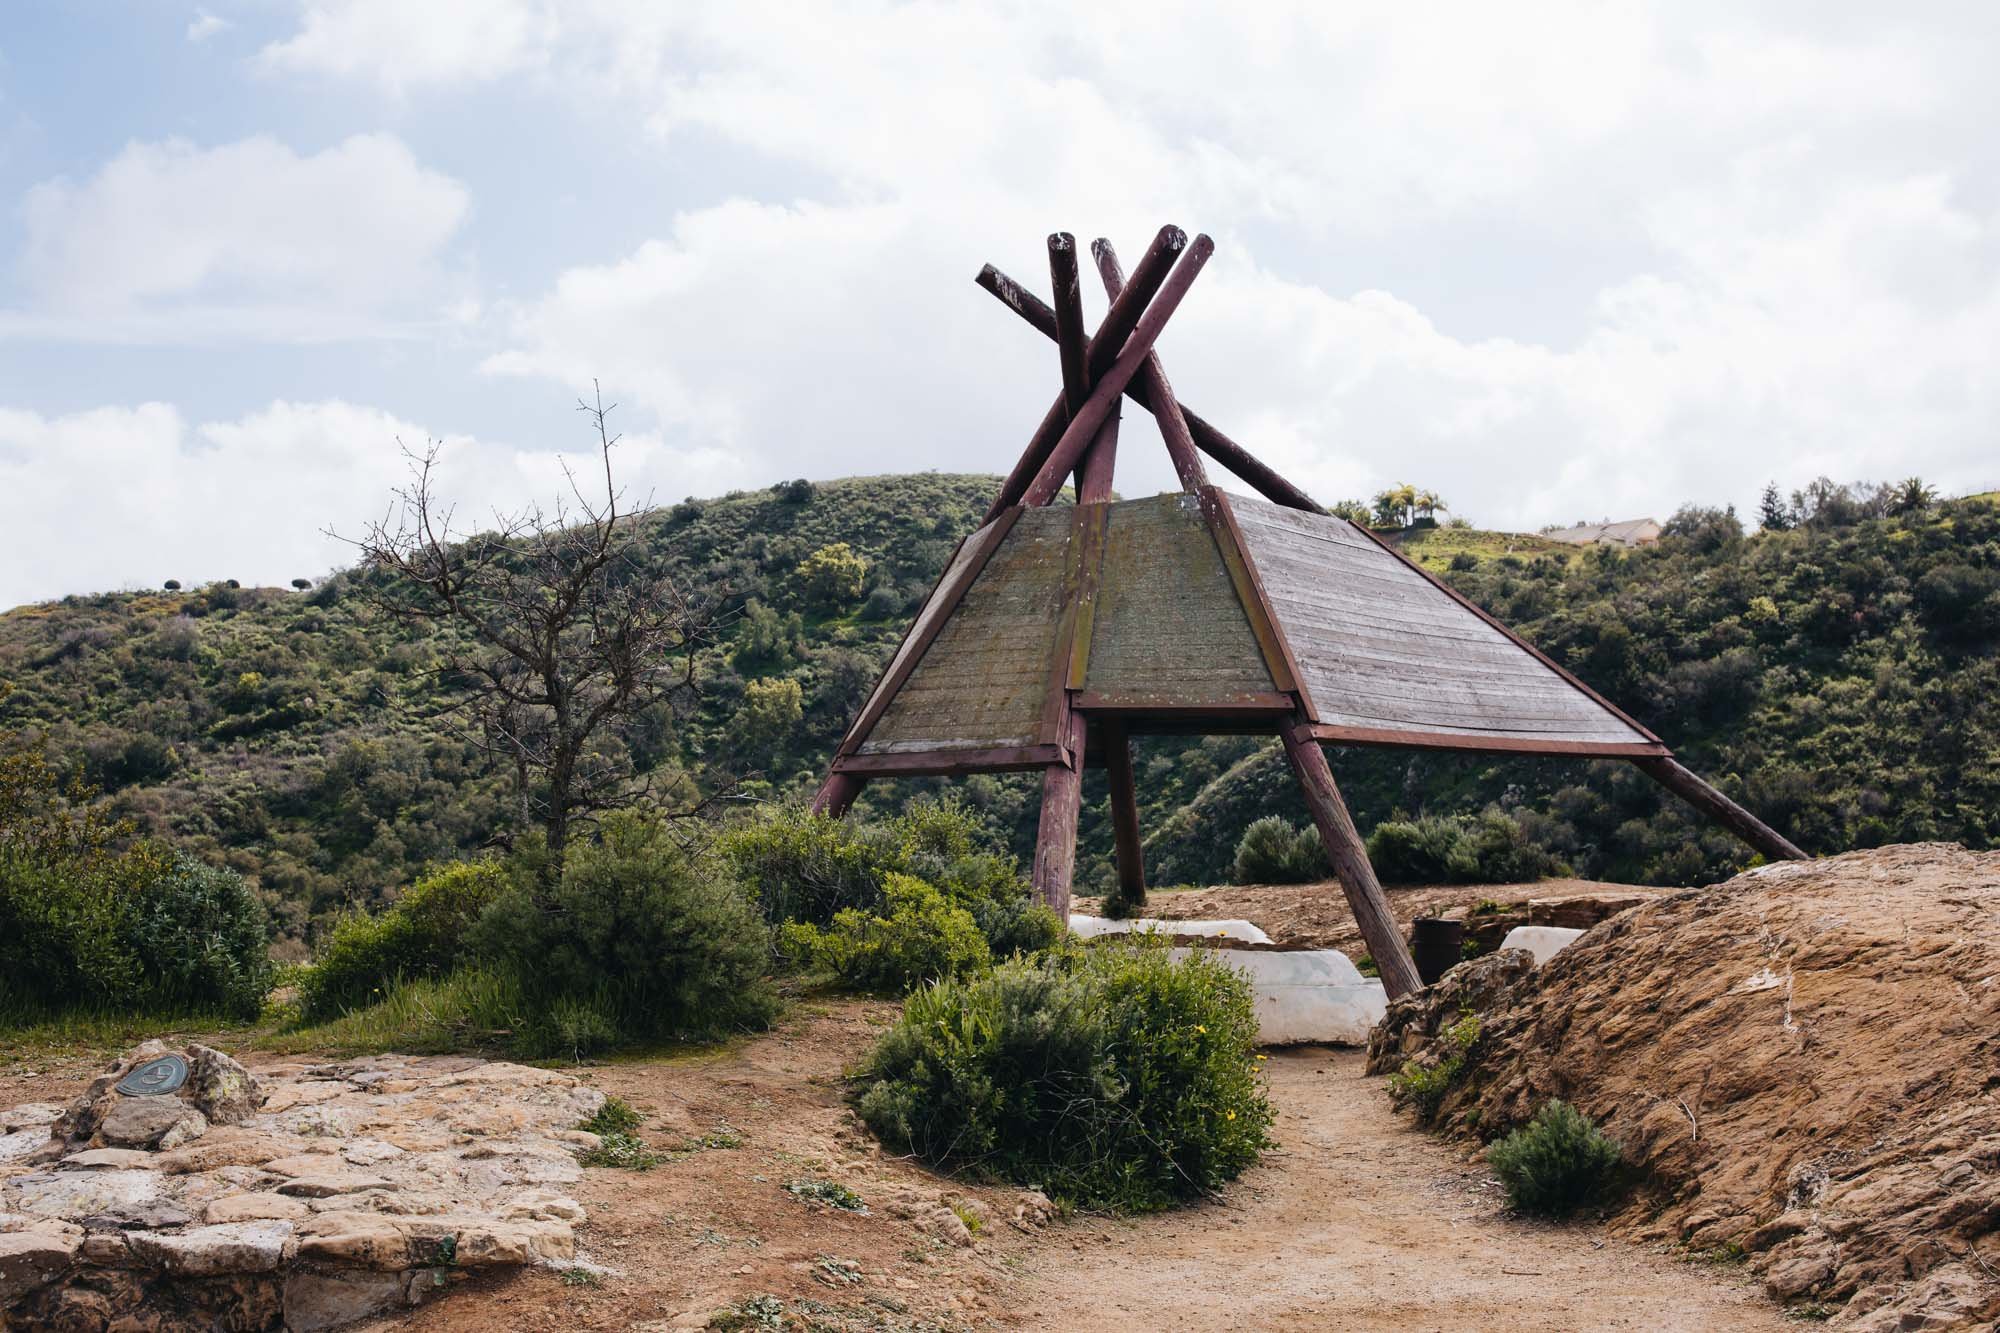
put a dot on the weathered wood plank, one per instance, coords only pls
(983, 679)
(1484, 742)
(1382, 648)
(1168, 624)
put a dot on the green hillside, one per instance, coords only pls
(1839, 679)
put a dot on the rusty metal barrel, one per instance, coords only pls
(1438, 945)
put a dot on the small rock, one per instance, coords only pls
(355, 1240)
(29, 1259)
(224, 1091)
(108, 1159)
(15, 1146)
(150, 1122)
(328, 1183)
(233, 1247)
(314, 1301)
(257, 1208)
(29, 1115)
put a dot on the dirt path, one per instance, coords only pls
(1358, 1223)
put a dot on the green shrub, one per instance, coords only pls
(637, 940)
(1111, 1077)
(806, 867)
(616, 1125)
(1272, 851)
(1018, 926)
(149, 931)
(1487, 848)
(422, 935)
(1421, 1084)
(1559, 1162)
(924, 937)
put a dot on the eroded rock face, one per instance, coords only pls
(1479, 986)
(1802, 1061)
(303, 1198)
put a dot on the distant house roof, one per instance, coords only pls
(1630, 532)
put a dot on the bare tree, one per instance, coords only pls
(562, 631)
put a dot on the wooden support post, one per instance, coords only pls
(1350, 861)
(1118, 324)
(1131, 856)
(1678, 779)
(1055, 837)
(837, 793)
(1261, 478)
(1152, 379)
(1072, 343)
(1082, 428)
(1093, 479)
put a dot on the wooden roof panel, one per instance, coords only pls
(1168, 626)
(1383, 649)
(981, 683)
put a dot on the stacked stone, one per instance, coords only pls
(316, 1195)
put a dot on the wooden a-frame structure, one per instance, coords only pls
(1057, 631)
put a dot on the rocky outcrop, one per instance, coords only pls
(308, 1197)
(1804, 1063)
(1480, 986)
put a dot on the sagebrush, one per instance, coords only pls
(1557, 1163)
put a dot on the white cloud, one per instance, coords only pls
(205, 25)
(248, 498)
(401, 44)
(170, 229)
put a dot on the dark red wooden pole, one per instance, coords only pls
(1152, 379)
(1265, 480)
(1099, 463)
(1072, 343)
(1678, 779)
(836, 794)
(1350, 861)
(1118, 323)
(1104, 396)
(1130, 853)
(1055, 836)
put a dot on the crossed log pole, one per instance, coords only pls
(1078, 437)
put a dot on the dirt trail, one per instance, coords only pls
(1358, 1223)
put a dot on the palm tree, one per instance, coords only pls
(1910, 495)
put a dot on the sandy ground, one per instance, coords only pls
(1356, 1222)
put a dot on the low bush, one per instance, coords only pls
(1110, 1077)
(1016, 926)
(637, 940)
(422, 935)
(1557, 1163)
(1273, 851)
(923, 937)
(1488, 848)
(805, 867)
(1421, 1084)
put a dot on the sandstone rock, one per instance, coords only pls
(149, 1122)
(79, 1194)
(29, 1115)
(107, 1159)
(355, 1240)
(478, 1242)
(1480, 985)
(1033, 1211)
(224, 1091)
(314, 1301)
(21, 1143)
(29, 1259)
(232, 1247)
(327, 1183)
(256, 1208)
(541, 1205)
(238, 1149)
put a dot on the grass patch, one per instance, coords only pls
(1422, 1087)
(831, 1193)
(469, 1010)
(619, 1146)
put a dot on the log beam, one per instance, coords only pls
(1350, 861)
(1259, 476)
(1682, 782)
(1118, 324)
(1072, 343)
(1055, 836)
(837, 793)
(1082, 428)
(1130, 853)
(1152, 382)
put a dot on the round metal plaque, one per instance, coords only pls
(155, 1078)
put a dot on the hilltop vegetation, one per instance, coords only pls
(1832, 676)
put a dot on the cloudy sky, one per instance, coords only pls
(1554, 261)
